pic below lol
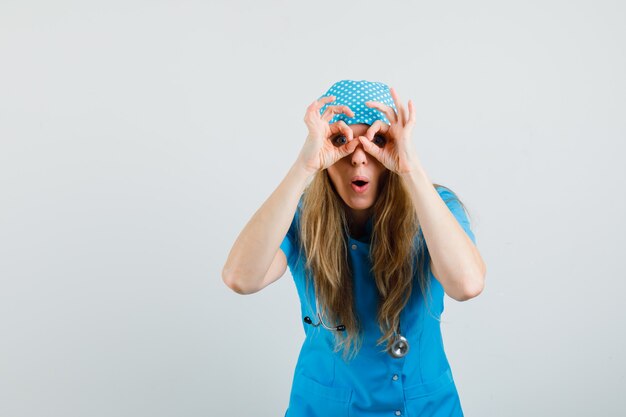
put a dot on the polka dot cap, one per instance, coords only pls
(354, 94)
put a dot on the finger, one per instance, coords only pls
(313, 109)
(386, 110)
(399, 106)
(341, 127)
(370, 148)
(412, 117)
(319, 103)
(323, 100)
(377, 126)
(332, 110)
(348, 148)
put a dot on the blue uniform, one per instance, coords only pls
(374, 383)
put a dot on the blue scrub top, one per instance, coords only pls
(373, 383)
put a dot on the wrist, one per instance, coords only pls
(416, 173)
(302, 172)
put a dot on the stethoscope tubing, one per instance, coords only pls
(398, 349)
(308, 320)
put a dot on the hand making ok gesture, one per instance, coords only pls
(397, 154)
(319, 152)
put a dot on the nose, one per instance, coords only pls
(359, 156)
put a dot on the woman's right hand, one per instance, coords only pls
(324, 145)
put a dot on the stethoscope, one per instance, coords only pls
(398, 349)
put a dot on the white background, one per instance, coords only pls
(137, 138)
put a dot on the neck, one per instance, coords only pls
(357, 219)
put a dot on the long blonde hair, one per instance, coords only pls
(398, 253)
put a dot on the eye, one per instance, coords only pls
(339, 140)
(380, 141)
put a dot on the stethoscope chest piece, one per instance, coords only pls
(400, 347)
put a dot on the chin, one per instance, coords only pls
(359, 203)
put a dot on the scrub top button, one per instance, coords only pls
(354, 247)
(395, 377)
(398, 412)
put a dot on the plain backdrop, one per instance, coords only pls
(137, 138)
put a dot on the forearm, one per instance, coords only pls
(460, 268)
(257, 244)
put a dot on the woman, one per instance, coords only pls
(372, 245)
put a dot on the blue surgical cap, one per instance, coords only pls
(354, 94)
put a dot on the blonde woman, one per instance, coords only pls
(372, 246)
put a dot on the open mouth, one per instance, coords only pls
(360, 186)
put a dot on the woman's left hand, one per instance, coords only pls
(397, 154)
